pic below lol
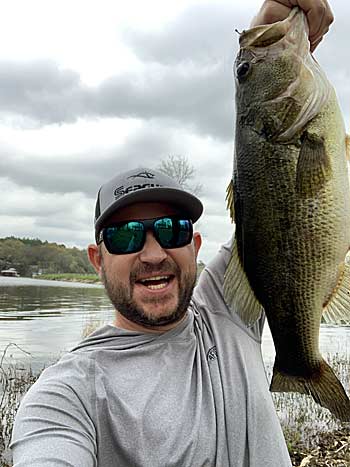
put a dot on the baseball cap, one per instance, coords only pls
(143, 185)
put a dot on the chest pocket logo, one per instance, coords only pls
(212, 354)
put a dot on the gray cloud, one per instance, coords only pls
(41, 91)
(185, 78)
(85, 172)
(204, 34)
(198, 98)
(201, 99)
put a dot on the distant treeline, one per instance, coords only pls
(32, 256)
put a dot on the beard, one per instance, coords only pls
(121, 296)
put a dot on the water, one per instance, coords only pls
(47, 318)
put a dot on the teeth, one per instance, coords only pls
(158, 286)
(155, 278)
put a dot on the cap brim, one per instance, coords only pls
(185, 201)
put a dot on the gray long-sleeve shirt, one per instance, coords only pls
(194, 396)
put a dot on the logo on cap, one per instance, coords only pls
(143, 175)
(122, 190)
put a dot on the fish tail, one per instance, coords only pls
(324, 387)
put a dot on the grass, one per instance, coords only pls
(71, 277)
(14, 383)
(314, 438)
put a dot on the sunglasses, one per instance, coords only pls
(127, 237)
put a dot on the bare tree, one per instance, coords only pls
(179, 168)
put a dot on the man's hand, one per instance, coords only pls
(318, 13)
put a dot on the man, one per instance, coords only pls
(178, 379)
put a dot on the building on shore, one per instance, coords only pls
(10, 272)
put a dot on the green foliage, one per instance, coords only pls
(32, 256)
(72, 277)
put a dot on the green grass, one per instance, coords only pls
(71, 277)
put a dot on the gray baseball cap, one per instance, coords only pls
(142, 185)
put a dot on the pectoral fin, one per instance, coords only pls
(230, 201)
(313, 168)
(237, 291)
(337, 310)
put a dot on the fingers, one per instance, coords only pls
(315, 44)
(319, 16)
(270, 12)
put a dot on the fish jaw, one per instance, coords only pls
(294, 29)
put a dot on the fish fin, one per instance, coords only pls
(337, 310)
(230, 200)
(238, 292)
(313, 167)
(347, 145)
(324, 387)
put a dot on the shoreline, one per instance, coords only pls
(71, 277)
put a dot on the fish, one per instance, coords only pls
(289, 198)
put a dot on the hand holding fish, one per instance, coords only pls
(318, 13)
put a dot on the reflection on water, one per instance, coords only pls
(47, 318)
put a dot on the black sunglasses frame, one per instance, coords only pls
(148, 224)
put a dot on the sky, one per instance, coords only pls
(90, 88)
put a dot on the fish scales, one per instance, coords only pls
(291, 204)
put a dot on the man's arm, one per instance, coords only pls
(318, 13)
(53, 428)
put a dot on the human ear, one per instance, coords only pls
(95, 257)
(197, 242)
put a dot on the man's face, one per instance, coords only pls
(150, 288)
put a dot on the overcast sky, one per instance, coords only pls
(89, 88)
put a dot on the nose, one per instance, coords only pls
(152, 252)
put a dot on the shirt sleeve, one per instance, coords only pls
(209, 291)
(53, 427)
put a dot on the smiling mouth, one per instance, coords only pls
(156, 282)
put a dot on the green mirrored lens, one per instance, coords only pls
(165, 231)
(126, 238)
(185, 232)
(173, 233)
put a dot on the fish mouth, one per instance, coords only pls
(287, 38)
(294, 29)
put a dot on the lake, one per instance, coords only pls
(48, 318)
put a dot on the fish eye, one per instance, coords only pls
(242, 70)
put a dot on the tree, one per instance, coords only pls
(179, 168)
(30, 256)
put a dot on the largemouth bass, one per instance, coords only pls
(290, 201)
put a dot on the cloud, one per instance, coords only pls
(199, 98)
(40, 90)
(146, 143)
(50, 216)
(202, 34)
